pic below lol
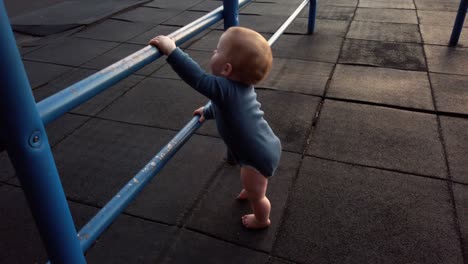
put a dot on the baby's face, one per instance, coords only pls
(219, 58)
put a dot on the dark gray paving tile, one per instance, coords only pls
(322, 27)
(362, 215)
(156, 102)
(24, 244)
(201, 57)
(275, 260)
(207, 6)
(461, 200)
(352, 3)
(100, 158)
(208, 42)
(192, 247)
(306, 77)
(456, 142)
(386, 15)
(219, 213)
(380, 137)
(383, 54)
(147, 15)
(41, 73)
(170, 4)
(440, 35)
(444, 5)
(308, 47)
(438, 18)
(270, 9)
(114, 30)
(131, 240)
(390, 32)
(144, 38)
(380, 85)
(264, 23)
(403, 4)
(450, 92)
(70, 51)
(289, 115)
(119, 53)
(447, 60)
(6, 168)
(184, 18)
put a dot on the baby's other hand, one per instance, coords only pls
(164, 43)
(199, 112)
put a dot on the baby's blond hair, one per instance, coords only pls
(249, 54)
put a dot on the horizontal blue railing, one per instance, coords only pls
(92, 230)
(60, 103)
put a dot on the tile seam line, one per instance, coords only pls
(456, 220)
(310, 134)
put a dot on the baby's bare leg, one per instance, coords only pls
(255, 185)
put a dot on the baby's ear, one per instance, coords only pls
(227, 69)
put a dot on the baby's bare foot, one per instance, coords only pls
(242, 195)
(251, 222)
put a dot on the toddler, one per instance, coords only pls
(242, 58)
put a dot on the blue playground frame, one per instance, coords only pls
(23, 135)
(459, 21)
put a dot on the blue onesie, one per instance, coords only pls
(237, 112)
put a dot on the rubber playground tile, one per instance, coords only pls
(192, 247)
(144, 38)
(183, 18)
(390, 32)
(450, 92)
(461, 201)
(384, 86)
(114, 30)
(71, 51)
(201, 57)
(352, 3)
(386, 15)
(400, 4)
(263, 24)
(219, 213)
(6, 168)
(147, 15)
(117, 244)
(308, 47)
(103, 156)
(206, 6)
(40, 73)
(289, 115)
(379, 137)
(322, 27)
(340, 213)
(456, 142)
(331, 12)
(119, 53)
(440, 35)
(171, 4)
(383, 54)
(299, 76)
(443, 5)
(447, 60)
(438, 18)
(162, 103)
(270, 9)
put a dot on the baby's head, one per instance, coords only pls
(242, 55)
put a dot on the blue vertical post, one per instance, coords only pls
(230, 13)
(29, 151)
(458, 26)
(312, 15)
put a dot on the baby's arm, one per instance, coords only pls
(189, 70)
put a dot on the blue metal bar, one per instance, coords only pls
(458, 26)
(312, 16)
(58, 104)
(28, 147)
(99, 223)
(230, 13)
(283, 27)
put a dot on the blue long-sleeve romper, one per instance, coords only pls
(237, 112)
